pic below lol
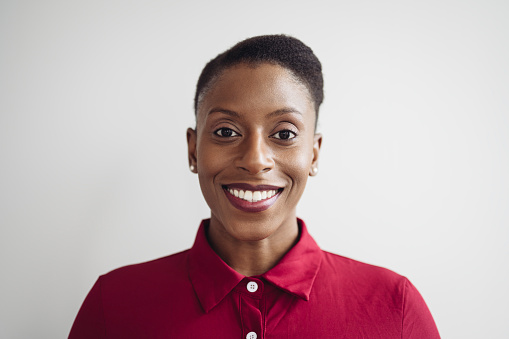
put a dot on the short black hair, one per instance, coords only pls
(280, 49)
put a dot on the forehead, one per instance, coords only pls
(261, 88)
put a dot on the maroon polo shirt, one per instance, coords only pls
(310, 293)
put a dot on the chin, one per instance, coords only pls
(250, 230)
(252, 227)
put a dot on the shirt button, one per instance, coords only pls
(251, 335)
(252, 286)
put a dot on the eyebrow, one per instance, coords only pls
(222, 110)
(281, 111)
(284, 111)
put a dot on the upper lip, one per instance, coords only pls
(248, 187)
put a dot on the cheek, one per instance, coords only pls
(207, 160)
(211, 161)
(209, 165)
(297, 164)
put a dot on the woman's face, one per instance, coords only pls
(253, 149)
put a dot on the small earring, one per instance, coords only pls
(192, 168)
(314, 170)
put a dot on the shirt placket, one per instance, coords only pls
(251, 308)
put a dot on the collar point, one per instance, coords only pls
(303, 296)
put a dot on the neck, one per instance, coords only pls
(253, 257)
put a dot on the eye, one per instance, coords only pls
(226, 132)
(284, 135)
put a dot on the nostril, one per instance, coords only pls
(255, 170)
(255, 156)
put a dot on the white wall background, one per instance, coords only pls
(95, 98)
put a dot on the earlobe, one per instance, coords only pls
(191, 150)
(317, 144)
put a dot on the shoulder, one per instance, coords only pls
(167, 269)
(375, 293)
(120, 298)
(340, 264)
(364, 278)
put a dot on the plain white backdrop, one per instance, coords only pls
(96, 96)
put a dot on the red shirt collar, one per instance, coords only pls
(213, 279)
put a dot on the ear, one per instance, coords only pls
(317, 144)
(191, 150)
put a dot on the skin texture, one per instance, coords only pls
(242, 136)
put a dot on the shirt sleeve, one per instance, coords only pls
(90, 322)
(417, 320)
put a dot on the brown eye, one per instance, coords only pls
(285, 135)
(226, 132)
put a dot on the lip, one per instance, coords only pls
(252, 207)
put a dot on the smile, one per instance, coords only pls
(252, 196)
(249, 198)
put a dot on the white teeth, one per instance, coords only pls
(257, 196)
(252, 196)
(248, 195)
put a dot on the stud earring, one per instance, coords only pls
(314, 171)
(192, 168)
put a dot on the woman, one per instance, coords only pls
(254, 271)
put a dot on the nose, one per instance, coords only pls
(255, 155)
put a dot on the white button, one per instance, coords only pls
(251, 335)
(252, 287)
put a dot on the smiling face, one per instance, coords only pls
(253, 149)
